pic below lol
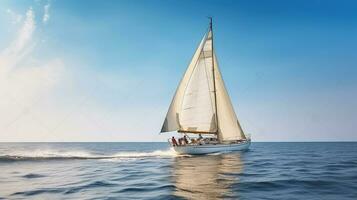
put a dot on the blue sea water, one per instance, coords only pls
(153, 171)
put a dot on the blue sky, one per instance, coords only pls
(107, 70)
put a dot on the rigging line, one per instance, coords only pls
(98, 123)
(123, 99)
(59, 124)
(254, 125)
(214, 77)
(116, 128)
(25, 110)
(212, 105)
(224, 85)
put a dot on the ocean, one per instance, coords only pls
(313, 170)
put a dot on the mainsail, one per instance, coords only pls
(201, 103)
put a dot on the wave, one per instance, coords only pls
(61, 155)
(68, 190)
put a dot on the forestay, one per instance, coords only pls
(229, 127)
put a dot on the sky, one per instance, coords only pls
(107, 70)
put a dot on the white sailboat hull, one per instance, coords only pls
(211, 148)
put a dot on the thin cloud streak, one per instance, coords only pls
(46, 15)
(15, 18)
(23, 78)
(14, 53)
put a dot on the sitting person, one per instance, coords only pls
(185, 139)
(174, 142)
(201, 142)
(200, 137)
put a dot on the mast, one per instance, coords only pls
(214, 79)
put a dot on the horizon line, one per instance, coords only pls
(327, 141)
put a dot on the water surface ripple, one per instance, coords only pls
(153, 171)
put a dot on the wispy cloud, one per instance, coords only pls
(15, 18)
(20, 46)
(45, 97)
(24, 77)
(46, 15)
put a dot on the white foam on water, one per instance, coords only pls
(50, 153)
(134, 155)
(80, 154)
(157, 153)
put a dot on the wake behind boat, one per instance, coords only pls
(201, 106)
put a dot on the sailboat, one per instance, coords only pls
(201, 107)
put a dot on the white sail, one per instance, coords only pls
(229, 127)
(172, 120)
(198, 107)
(193, 108)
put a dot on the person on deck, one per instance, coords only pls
(174, 142)
(185, 139)
(200, 137)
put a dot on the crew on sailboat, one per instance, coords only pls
(186, 140)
